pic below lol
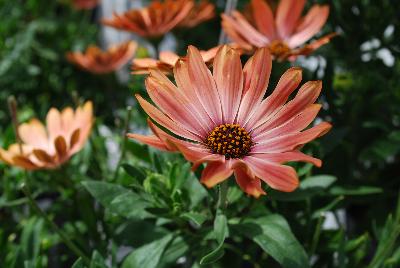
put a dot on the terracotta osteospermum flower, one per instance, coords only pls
(167, 61)
(96, 61)
(49, 147)
(201, 12)
(85, 4)
(152, 21)
(221, 119)
(283, 32)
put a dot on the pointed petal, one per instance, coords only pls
(165, 121)
(288, 15)
(314, 45)
(169, 57)
(293, 156)
(278, 177)
(256, 77)
(230, 28)
(245, 29)
(227, 71)
(214, 173)
(247, 181)
(204, 85)
(311, 24)
(264, 18)
(291, 141)
(295, 124)
(152, 141)
(306, 96)
(288, 82)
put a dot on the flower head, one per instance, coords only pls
(221, 119)
(96, 61)
(201, 12)
(167, 61)
(48, 147)
(152, 21)
(284, 32)
(85, 4)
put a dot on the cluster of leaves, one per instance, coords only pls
(153, 212)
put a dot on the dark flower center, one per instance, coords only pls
(230, 140)
(278, 48)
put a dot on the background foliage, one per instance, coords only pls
(152, 212)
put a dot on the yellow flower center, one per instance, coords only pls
(230, 140)
(278, 48)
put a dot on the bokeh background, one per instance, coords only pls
(360, 70)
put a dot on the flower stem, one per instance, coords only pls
(125, 139)
(61, 234)
(222, 194)
(316, 235)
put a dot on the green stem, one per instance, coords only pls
(125, 139)
(222, 194)
(316, 235)
(61, 234)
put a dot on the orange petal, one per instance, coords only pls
(278, 177)
(33, 133)
(287, 16)
(43, 156)
(215, 172)
(61, 147)
(264, 18)
(292, 156)
(247, 182)
(24, 162)
(227, 72)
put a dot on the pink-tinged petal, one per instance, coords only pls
(306, 96)
(291, 141)
(171, 103)
(204, 85)
(311, 24)
(246, 179)
(246, 30)
(215, 172)
(209, 55)
(228, 76)
(33, 133)
(209, 157)
(183, 81)
(152, 141)
(264, 18)
(230, 28)
(314, 45)
(256, 77)
(278, 177)
(292, 156)
(169, 57)
(53, 123)
(288, 15)
(297, 123)
(165, 121)
(289, 81)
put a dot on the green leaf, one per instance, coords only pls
(78, 264)
(118, 199)
(97, 261)
(272, 233)
(220, 233)
(31, 237)
(134, 172)
(308, 188)
(149, 255)
(176, 249)
(195, 217)
(361, 190)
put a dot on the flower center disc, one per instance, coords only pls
(230, 140)
(278, 48)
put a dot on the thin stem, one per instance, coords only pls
(316, 235)
(222, 194)
(61, 234)
(229, 6)
(125, 139)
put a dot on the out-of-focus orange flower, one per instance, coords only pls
(48, 147)
(284, 32)
(221, 119)
(201, 12)
(96, 61)
(152, 21)
(167, 61)
(85, 4)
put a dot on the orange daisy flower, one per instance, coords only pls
(85, 4)
(201, 12)
(96, 61)
(167, 61)
(49, 147)
(152, 21)
(221, 119)
(284, 32)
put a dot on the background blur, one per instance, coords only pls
(360, 70)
